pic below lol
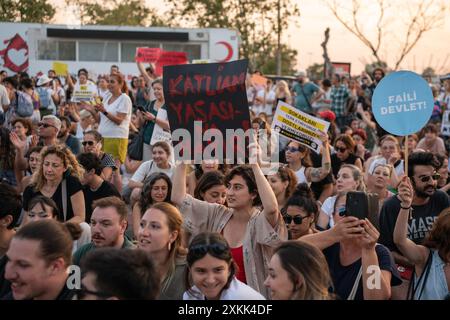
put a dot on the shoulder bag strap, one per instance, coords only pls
(306, 98)
(422, 279)
(64, 198)
(352, 294)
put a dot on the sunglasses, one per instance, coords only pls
(83, 292)
(339, 149)
(45, 125)
(203, 249)
(297, 219)
(293, 149)
(425, 179)
(90, 143)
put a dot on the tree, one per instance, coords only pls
(315, 71)
(33, 11)
(268, 64)
(377, 64)
(111, 12)
(259, 22)
(422, 16)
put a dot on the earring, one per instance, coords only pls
(168, 247)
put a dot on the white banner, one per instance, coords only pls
(299, 126)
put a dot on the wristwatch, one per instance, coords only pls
(105, 113)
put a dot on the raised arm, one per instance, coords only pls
(417, 254)
(144, 73)
(318, 174)
(346, 228)
(268, 198)
(179, 184)
(371, 264)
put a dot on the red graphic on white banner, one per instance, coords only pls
(15, 55)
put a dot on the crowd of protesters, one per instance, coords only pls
(72, 194)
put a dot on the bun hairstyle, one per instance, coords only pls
(303, 197)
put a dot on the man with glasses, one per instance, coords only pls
(48, 130)
(426, 205)
(114, 274)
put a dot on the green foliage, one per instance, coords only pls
(267, 64)
(377, 64)
(315, 71)
(256, 20)
(33, 11)
(111, 12)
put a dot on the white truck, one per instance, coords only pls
(33, 47)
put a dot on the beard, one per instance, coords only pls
(421, 193)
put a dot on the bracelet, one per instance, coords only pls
(405, 208)
(105, 113)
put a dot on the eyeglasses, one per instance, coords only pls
(297, 219)
(425, 179)
(293, 149)
(83, 292)
(203, 249)
(45, 125)
(340, 149)
(90, 143)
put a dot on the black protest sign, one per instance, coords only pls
(204, 100)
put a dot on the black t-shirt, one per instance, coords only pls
(73, 186)
(317, 187)
(344, 277)
(5, 285)
(421, 223)
(106, 190)
(336, 163)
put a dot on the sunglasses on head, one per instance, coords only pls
(340, 149)
(425, 179)
(297, 219)
(45, 125)
(83, 292)
(294, 149)
(90, 143)
(203, 249)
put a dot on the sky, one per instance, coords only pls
(306, 33)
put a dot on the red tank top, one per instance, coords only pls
(238, 257)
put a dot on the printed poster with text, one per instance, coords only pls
(299, 126)
(207, 99)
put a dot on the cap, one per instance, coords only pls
(43, 80)
(300, 74)
(53, 120)
(327, 115)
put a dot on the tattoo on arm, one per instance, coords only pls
(327, 166)
(316, 174)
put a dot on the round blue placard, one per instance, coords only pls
(402, 103)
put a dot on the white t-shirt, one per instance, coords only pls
(236, 291)
(270, 96)
(301, 177)
(147, 168)
(109, 129)
(328, 207)
(4, 99)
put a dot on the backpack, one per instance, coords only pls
(24, 108)
(44, 97)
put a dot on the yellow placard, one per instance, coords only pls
(60, 68)
(311, 122)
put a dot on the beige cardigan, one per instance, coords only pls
(259, 241)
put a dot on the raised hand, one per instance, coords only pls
(15, 140)
(369, 236)
(405, 192)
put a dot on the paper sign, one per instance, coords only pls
(402, 103)
(199, 61)
(60, 68)
(299, 126)
(150, 55)
(83, 93)
(169, 58)
(214, 97)
(259, 80)
(445, 126)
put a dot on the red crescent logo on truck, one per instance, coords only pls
(229, 48)
(18, 44)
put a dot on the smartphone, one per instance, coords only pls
(357, 205)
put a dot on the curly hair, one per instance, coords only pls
(68, 159)
(146, 200)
